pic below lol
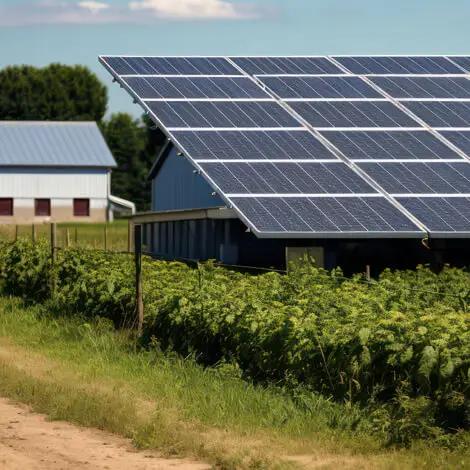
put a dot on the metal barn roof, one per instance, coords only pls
(46, 143)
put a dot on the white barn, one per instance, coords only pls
(55, 172)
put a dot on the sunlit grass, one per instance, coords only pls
(92, 375)
(84, 235)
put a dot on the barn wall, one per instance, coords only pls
(54, 183)
(61, 186)
(176, 187)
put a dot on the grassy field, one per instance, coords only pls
(85, 235)
(89, 374)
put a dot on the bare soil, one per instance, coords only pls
(29, 441)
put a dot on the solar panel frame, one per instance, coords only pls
(319, 87)
(187, 88)
(441, 209)
(189, 66)
(353, 114)
(409, 230)
(414, 178)
(258, 65)
(281, 178)
(297, 145)
(456, 112)
(397, 65)
(380, 145)
(424, 87)
(210, 115)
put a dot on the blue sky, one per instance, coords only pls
(38, 32)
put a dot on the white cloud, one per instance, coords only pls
(50, 12)
(190, 9)
(94, 7)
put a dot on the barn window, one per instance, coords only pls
(42, 207)
(81, 207)
(6, 206)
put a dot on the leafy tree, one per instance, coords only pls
(134, 146)
(53, 93)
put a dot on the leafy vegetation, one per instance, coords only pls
(82, 370)
(398, 347)
(53, 93)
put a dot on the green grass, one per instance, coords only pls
(91, 375)
(85, 235)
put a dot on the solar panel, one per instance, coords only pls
(440, 214)
(324, 216)
(238, 145)
(287, 65)
(286, 178)
(227, 114)
(323, 114)
(460, 139)
(398, 65)
(195, 87)
(420, 178)
(462, 61)
(441, 113)
(308, 146)
(386, 145)
(424, 87)
(170, 66)
(320, 87)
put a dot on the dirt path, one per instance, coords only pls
(28, 441)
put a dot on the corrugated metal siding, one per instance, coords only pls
(53, 144)
(53, 183)
(176, 187)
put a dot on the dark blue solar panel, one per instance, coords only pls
(440, 214)
(194, 87)
(320, 87)
(424, 87)
(398, 65)
(420, 178)
(375, 145)
(286, 178)
(441, 113)
(203, 114)
(461, 139)
(324, 215)
(170, 66)
(462, 61)
(353, 114)
(286, 65)
(236, 145)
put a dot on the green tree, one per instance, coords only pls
(53, 93)
(134, 146)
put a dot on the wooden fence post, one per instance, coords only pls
(67, 237)
(368, 272)
(16, 232)
(138, 278)
(129, 236)
(33, 234)
(53, 257)
(53, 243)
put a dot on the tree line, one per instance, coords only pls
(74, 93)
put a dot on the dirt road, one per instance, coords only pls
(28, 441)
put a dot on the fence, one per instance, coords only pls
(115, 236)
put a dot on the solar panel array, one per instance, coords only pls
(320, 146)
